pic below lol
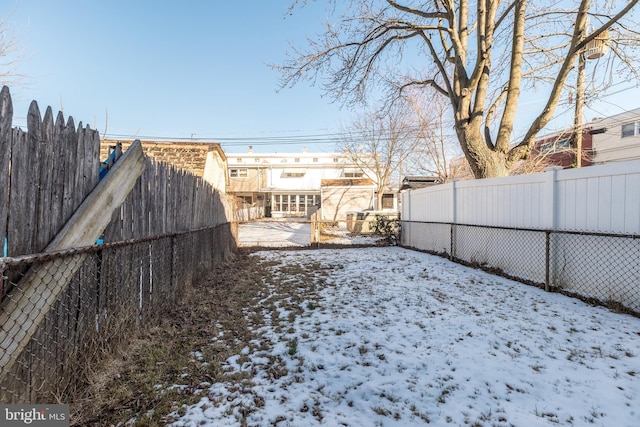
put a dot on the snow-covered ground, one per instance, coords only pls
(395, 337)
(292, 233)
(274, 233)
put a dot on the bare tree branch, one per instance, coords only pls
(480, 54)
(11, 53)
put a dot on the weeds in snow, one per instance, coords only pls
(292, 347)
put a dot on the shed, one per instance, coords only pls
(339, 196)
(413, 182)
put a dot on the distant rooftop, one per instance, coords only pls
(412, 182)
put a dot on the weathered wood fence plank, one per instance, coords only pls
(58, 176)
(21, 219)
(40, 289)
(69, 142)
(6, 117)
(70, 300)
(43, 233)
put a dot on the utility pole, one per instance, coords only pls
(578, 123)
(597, 48)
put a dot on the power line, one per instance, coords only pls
(319, 138)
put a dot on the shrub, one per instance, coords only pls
(388, 228)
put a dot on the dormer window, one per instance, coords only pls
(294, 173)
(352, 173)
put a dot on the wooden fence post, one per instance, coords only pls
(315, 231)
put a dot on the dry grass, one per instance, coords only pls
(136, 384)
(173, 364)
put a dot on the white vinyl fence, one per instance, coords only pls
(575, 230)
(248, 214)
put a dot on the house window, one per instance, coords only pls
(238, 173)
(291, 203)
(282, 202)
(313, 199)
(387, 201)
(257, 160)
(239, 160)
(630, 129)
(556, 146)
(353, 174)
(246, 200)
(297, 160)
(315, 160)
(293, 174)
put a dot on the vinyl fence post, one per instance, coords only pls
(551, 222)
(405, 217)
(454, 218)
(551, 199)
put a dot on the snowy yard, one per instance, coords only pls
(274, 233)
(293, 233)
(392, 337)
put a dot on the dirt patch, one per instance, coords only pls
(164, 366)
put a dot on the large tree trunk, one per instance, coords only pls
(485, 162)
(488, 164)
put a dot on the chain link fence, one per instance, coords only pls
(602, 267)
(60, 312)
(597, 267)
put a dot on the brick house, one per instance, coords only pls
(556, 149)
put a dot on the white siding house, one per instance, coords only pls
(287, 184)
(616, 138)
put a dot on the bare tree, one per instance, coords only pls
(538, 161)
(433, 131)
(378, 143)
(10, 53)
(554, 150)
(479, 55)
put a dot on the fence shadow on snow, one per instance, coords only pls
(576, 231)
(599, 268)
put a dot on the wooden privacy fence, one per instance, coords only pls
(62, 306)
(45, 174)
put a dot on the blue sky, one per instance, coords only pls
(191, 69)
(171, 69)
